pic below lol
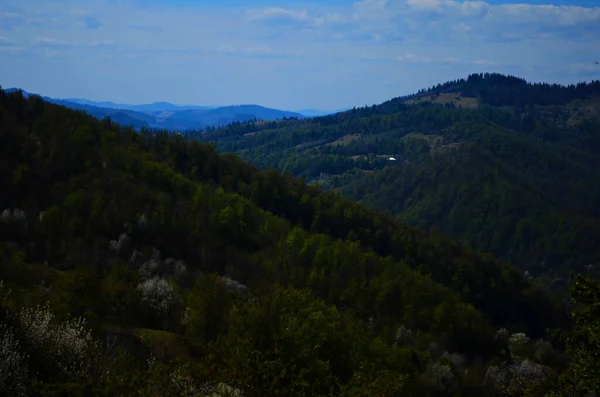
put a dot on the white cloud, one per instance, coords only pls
(51, 42)
(430, 5)
(509, 14)
(262, 51)
(369, 56)
(10, 15)
(378, 4)
(132, 55)
(547, 14)
(277, 13)
(226, 49)
(257, 51)
(408, 57)
(473, 8)
(12, 49)
(462, 27)
(370, 8)
(102, 43)
(588, 67)
(416, 58)
(330, 18)
(292, 52)
(5, 42)
(484, 62)
(55, 54)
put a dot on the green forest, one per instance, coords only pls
(149, 264)
(495, 163)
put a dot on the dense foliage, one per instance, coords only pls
(501, 165)
(148, 264)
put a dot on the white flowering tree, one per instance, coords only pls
(225, 390)
(518, 344)
(14, 377)
(13, 216)
(516, 378)
(175, 268)
(67, 345)
(440, 376)
(518, 339)
(149, 269)
(403, 336)
(158, 294)
(234, 285)
(121, 246)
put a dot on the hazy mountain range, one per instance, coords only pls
(165, 115)
(320, 112)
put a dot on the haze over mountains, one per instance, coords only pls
(151, 107)
(165, 115)
(167, 106)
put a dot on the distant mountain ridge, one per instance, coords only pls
(165, 115)
(150, 107)
(320, 112)
(504, 166)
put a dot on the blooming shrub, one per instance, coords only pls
(16, 215)
(224, 390)
(121, 245)
(68, 345)
(541, 348)
(177, 268)
(13, 369)
(148, 269)
(457, 361)
(6, 215)
(185, 386)
(518, 339)
(516, 377)
(158, 294)
(440, 375)
(502, 334)
(142, 221)
(135, 257)
(234, 286)
(19, 216)
(403, 336)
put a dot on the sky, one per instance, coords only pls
(287, 54)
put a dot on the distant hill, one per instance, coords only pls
(146, 108)
(165, 115)
(320, 112)
(500, 164)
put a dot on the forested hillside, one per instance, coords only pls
(501, 165)
(148, 264)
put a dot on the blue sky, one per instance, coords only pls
(287, 54)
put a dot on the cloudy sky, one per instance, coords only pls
(287, 54)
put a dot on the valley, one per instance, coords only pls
(357, 256)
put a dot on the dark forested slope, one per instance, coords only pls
(499, 164)
(137, 264)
